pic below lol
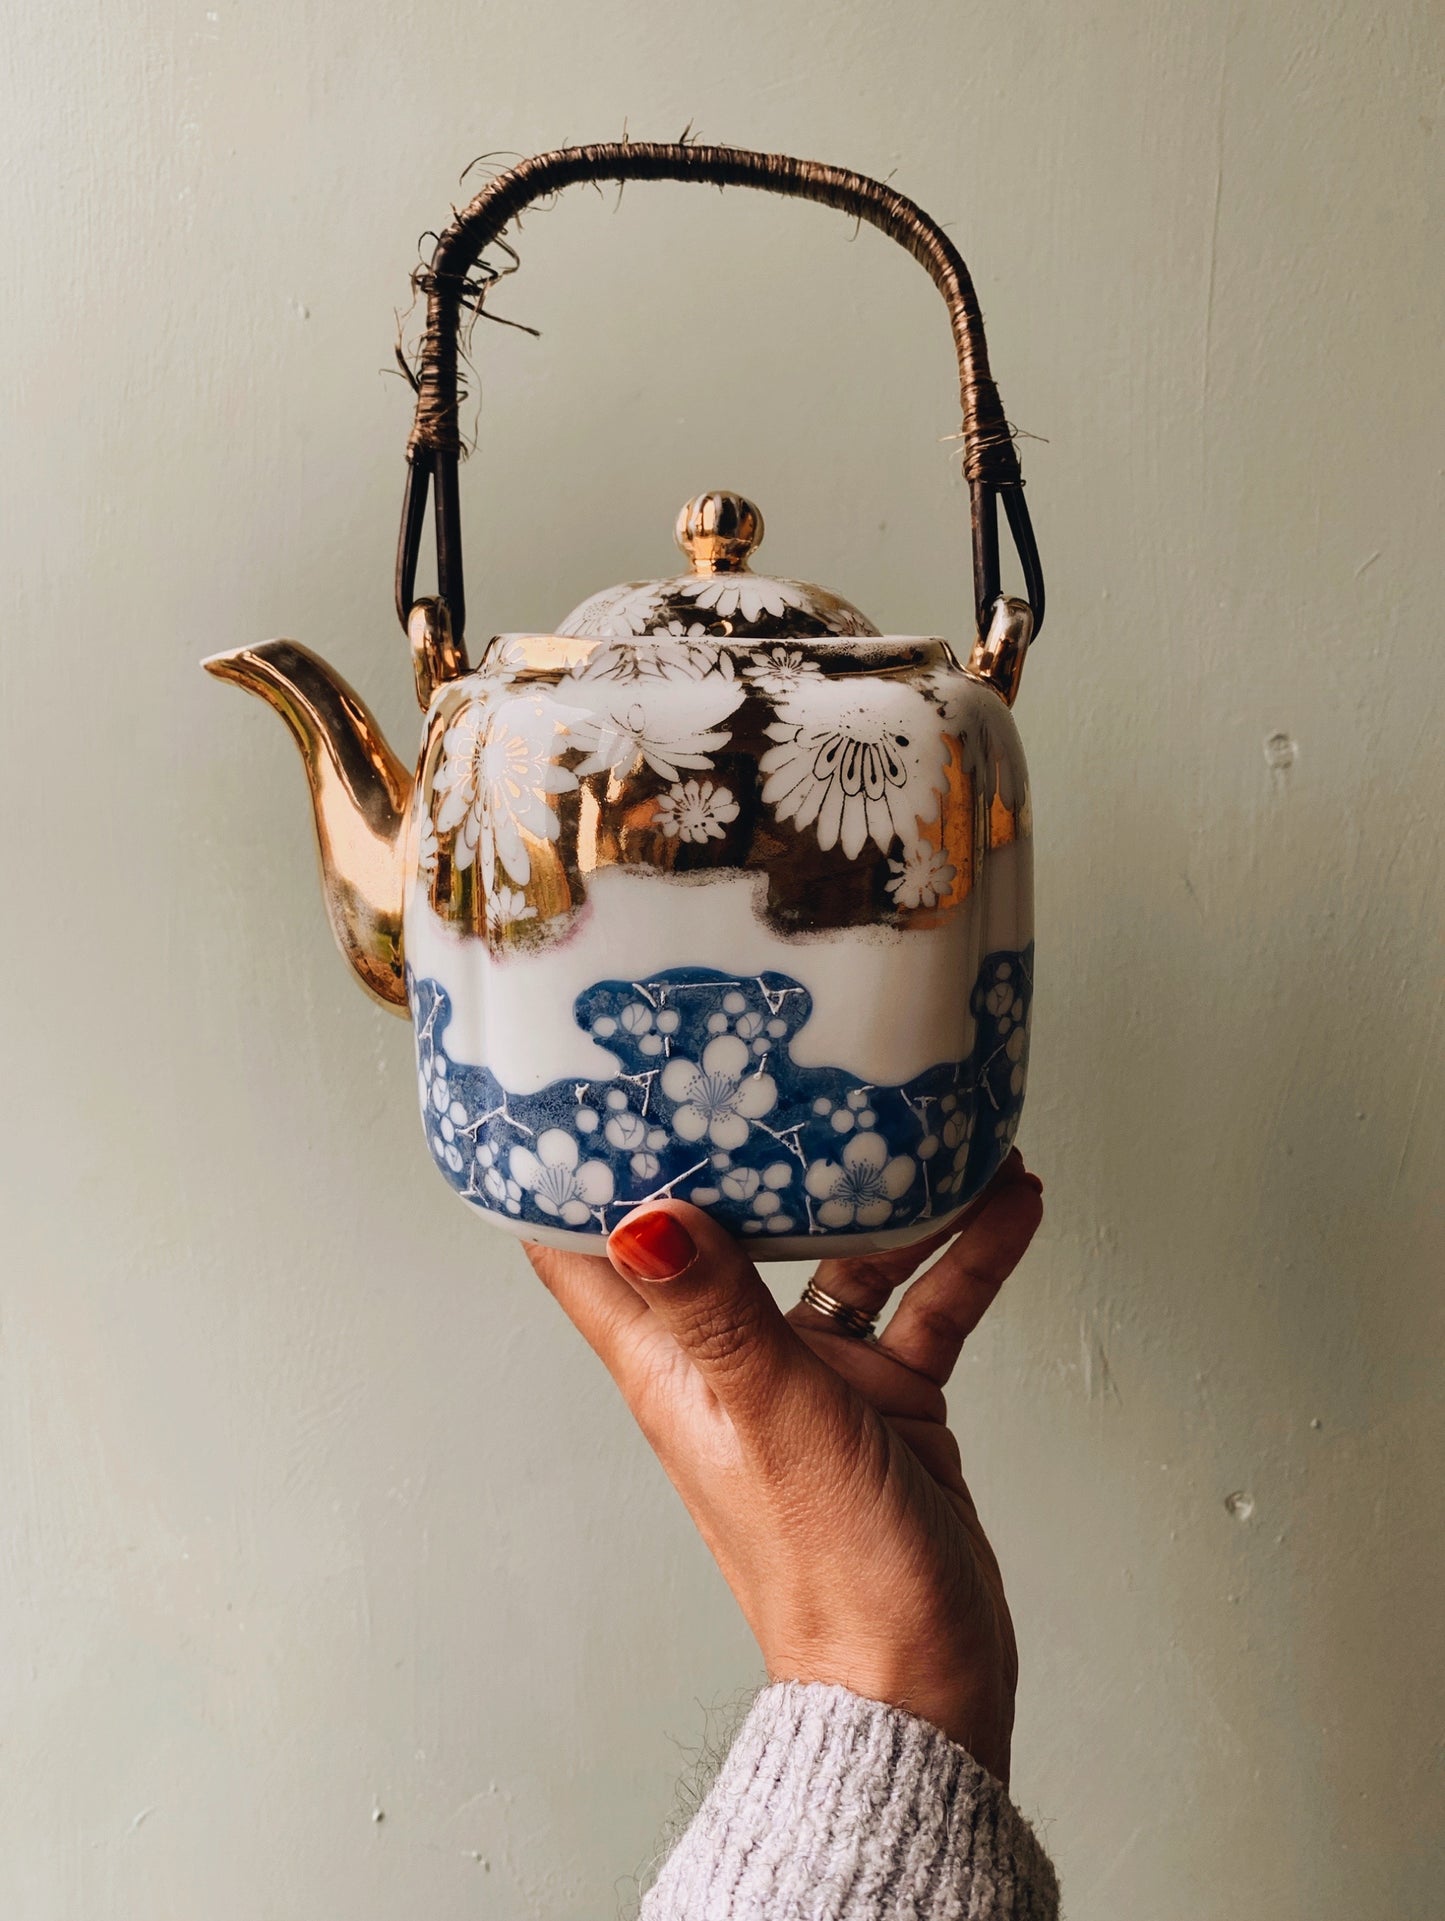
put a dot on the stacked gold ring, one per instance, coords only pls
(848, 1320)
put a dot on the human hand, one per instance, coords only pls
(818, 1467)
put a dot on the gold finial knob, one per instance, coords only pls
(717, 532)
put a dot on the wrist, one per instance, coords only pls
(976, 1712)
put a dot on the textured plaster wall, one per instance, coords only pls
(333, 1579)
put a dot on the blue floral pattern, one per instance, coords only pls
(709, 1106)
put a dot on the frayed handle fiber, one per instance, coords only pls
(455, 285)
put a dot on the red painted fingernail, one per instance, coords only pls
(654, 1247)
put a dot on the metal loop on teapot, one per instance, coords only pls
(452, 288)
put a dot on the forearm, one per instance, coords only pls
(832, 1808)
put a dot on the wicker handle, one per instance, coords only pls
(435, 447)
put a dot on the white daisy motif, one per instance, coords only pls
(775, 671)
(505, 659)
(556, 1182)
(695, 810)
(427, 851)
(616, 611)
(508, 905)
(719, 1095)
(459, 778)
(495, 783)
(748, 595)
(922, 877)
(861, 768)
(861, 1188)
(674, 652)
(677, 725)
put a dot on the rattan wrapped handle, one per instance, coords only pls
(435, 446)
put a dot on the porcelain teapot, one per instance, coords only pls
(710, 890)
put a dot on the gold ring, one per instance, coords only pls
(851, 1321)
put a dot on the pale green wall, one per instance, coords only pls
(311, 1503)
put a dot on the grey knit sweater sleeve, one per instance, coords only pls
(832, 1808)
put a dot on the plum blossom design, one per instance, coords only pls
(1005, 1002)
(627, 1130)
(442, 1112)
(1002, 1000)
(862, 1187)
(561, 1187)
(752, 1028)
(619, 727)
(857, 769)
(1016, 1050)
(843, 1116)
(702, 1098)
(768, 1217)
(648, 1031)
(720, 1095)
(696, 810)
(496, 781)
(750, 1024)
(763, 1192)
(958, 1135)
(496, 1185)
(922, 877)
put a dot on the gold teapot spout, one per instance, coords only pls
(360, 793)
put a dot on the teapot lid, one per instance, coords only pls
(721, 596)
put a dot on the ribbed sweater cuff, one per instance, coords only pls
(832, 1808)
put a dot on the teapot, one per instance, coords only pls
(711, 890)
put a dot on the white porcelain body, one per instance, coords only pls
(746, 924)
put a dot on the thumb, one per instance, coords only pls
(706, 1293)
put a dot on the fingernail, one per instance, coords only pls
(654, 1247)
